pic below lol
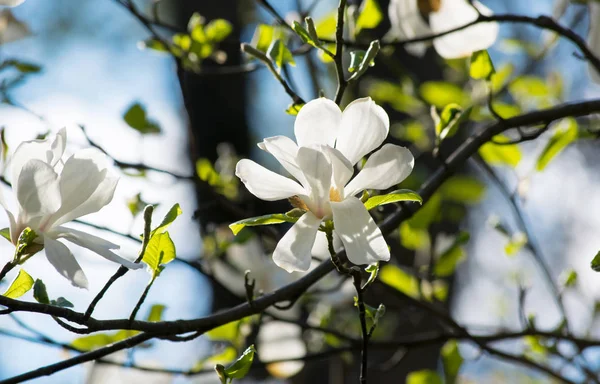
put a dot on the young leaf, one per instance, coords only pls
(425, 376)
(565, 134)
(393, 197)
(495, 154)
(5, 232)
(451, 257)
(463, 189)
(402, 281)
(20, 285)
(367, 60)
(168, 220)
(137, 119)
(62, 302)
(156, 312)
(303, 34)
(373, 271)
(356, 58)
(274, 218)
(452, 361)
(481, 67)
(39, 292)
(442, 93)
(280, 54)
(160, 251)
(241, 366)
(569, 278)
(447, 122)
(596, 262)
(217, 30)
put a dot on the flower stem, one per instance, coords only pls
(360, 303)
(7, 268)
(141, 300)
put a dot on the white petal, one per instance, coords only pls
(384, 168)
(362, 238)
(284, 150)
(407, 23)
(98, 200)
(293, 252)
(63, 260)
(317, 122)
(265, 184)
(317, 170)
(45, 150)
(456, 13)
(342, 168)
(594, 37)
(38, 190)
(321, 247)
(364, 127)
(93, 243)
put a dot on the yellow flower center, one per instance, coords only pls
(334, 195)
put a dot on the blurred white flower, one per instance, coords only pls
(51, 192)
(408, 19)
(11, 29)
(594, 37)
(329, 143)
(11, 3)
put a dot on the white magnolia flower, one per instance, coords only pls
(11, 28)
(594, 37)
(51, 192)
(11, 3)
(408, 19)
(329, 143)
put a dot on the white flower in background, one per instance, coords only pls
(329, 143)
(408, 19)
(51, 192)
(11, 29)
(594, 37)
(11, 3)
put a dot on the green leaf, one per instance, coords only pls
(452, 361)
(20, 285)
(39, 292)
(160, 251)
(425, 376)
(441, 93)
(304, 34)
(402, 281)
(217, 30)
(136, 204)
(495, 154)
(515, 243)
(274, 218)
(393, 197)
(501, 76)
(62, 302)
(481, 67)
(280, 54)
(5, 232)
(356, 58)
(137, 119)
(396, 96)
(153, 44)
(463, 189)
(569, 278)
(169, 218)
(413, 238)
(22, 66)
(452, 256)
(293, 109)
(447, 122)
(370, 16)
(529, 86)
(242, 365)
(225, 332)
(373, 314)
(596, 262)
(98, 340)
(373, 271)
(564, 135)
(367, 60)
(155, 313)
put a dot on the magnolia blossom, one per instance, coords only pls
(408, 19)
(51, 192)
(329, 143)
(594, 37)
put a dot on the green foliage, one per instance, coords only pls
(217, 30)
(99, 340)
(274, 218)
(564, 135)
(396, 96)
(19, 286)
(495, 154)
(169, 218)
(452, 256)
(373, 271)
(370, 16)
(160, 251)
(156, 313)
(373, 315)
(425, 376)
(21, 66)
(596, 262)
(568, 278)
(442, 93)
(26, 245)
(264, 35)
(481, 67)
(5, 232)
(393, 197)
(367, 59)
(452, 360)
(500, 77)
(153, 44)
(136, 205)
(463, 189)
(399, 279)
(294, 108)
(226, 186)
(136, 118)
(280, 54)
(239, 369)
(447, 122)
(39, 292)
(516, 242)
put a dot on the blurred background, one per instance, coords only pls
(93, 69)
